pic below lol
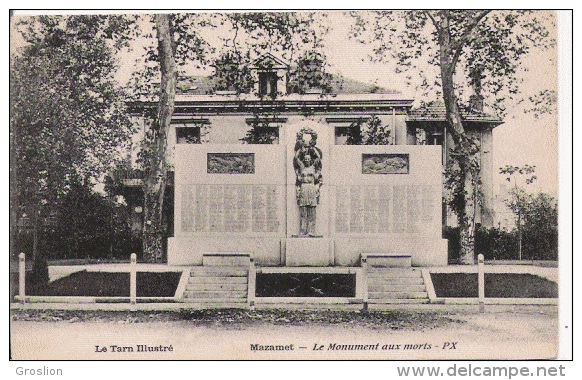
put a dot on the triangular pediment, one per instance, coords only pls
(268, 61)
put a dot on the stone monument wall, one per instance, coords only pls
(228, 198)
(242, 198)
(387, 199)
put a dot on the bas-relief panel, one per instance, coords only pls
(385, 163)
(230, 163)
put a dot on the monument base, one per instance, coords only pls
(388, 260)
(191, 250)
(226, 259)
(309, 252)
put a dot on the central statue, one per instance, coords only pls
(307, 164)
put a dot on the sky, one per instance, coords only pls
(522, 139)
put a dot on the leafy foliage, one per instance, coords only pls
(68, 115)
(526, 170)
(293, 36)
(540, 227)
(180, 41)
(232, 72)
(519, 199)
(456, 194)
(536, 215)
(544, 102)
(284, 33)
(369, 132)
(89, 225)
(310, 73)
(488, 45)
(190, 49)
(92, 225)
(450, 50)
(260, 134)
(496, 243)
(539, 237)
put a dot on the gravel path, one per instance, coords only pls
(524, 333)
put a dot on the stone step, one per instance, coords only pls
(216, 300)
(388, 260)
(216, 287)
(215, 294)
(218, 271)
(397, 295)
(393, 272)
(396, 281)
(395, 288)
(217, 280)
(226, 259)
(399, 301)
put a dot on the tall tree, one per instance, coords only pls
(67, 115)
(481, 48)
(173, 43)
(181, 44)
(155, 168)
(519, 199)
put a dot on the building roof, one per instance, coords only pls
(436, 111)
(204, 85)
(268, 60)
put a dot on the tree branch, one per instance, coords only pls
(459, 43)
(434, 22)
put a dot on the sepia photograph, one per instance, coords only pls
(290, 185)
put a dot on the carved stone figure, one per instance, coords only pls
(307, 164)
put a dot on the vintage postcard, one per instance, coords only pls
(315, 185)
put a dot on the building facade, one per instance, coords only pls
(240, 180)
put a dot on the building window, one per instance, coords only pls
(435, 138)
(188, 135)
(428, 137)
(341, 135)
(268, 84)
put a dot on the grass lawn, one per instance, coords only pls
(497, 285)
(103, 284)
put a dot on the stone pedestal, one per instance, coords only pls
(314, 252)
(226, 259)
(388, 260)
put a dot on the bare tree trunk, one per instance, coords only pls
(156, 172)
(467, 221)
(467, 213)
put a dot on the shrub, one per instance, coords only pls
(452, 234)
(40, 274)
(496, 243)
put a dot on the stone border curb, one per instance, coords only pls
(181, 288)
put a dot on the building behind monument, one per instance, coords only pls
(235, 187)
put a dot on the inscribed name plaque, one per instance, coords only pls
(231, 208)
(385, 163)
(230, 163)
(383, 209)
